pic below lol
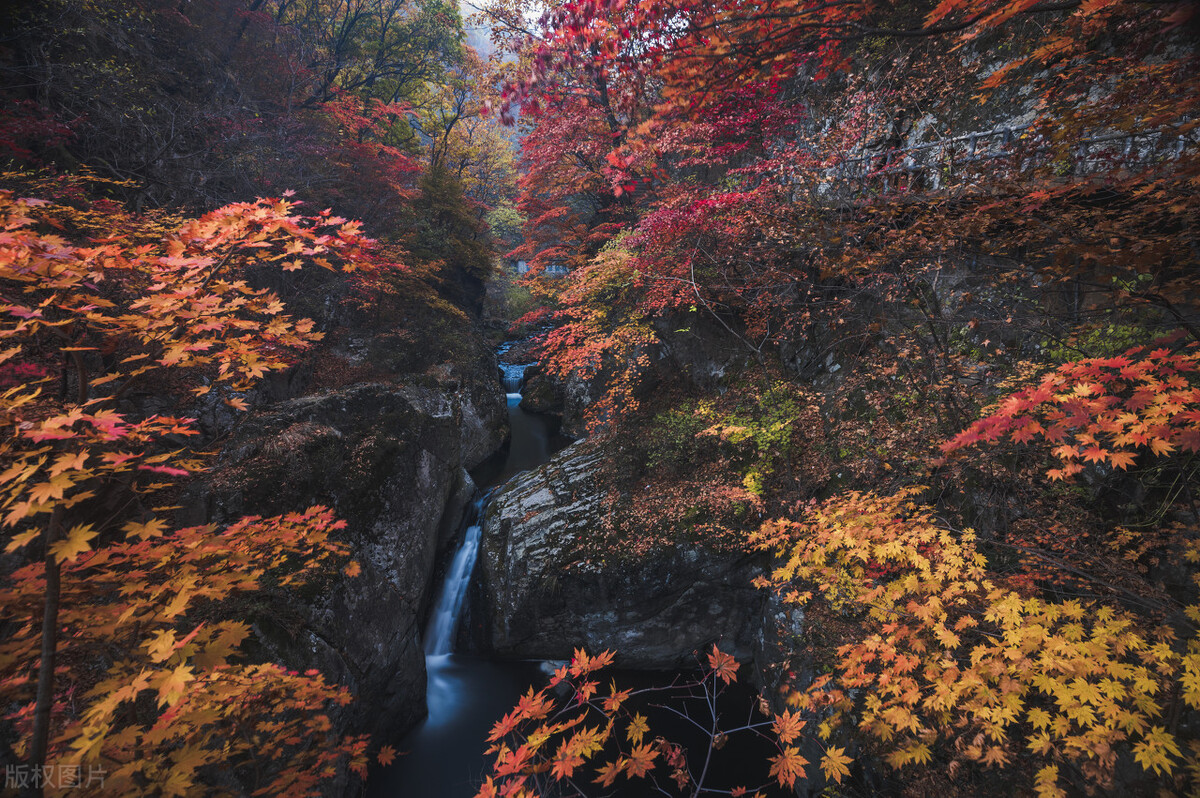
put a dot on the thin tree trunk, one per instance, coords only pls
(45, 684)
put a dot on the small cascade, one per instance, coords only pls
(443, 692)
(514, 375)
(465, 694)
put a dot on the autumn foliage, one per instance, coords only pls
(1102, 410)
(123, 653)
(964, 232)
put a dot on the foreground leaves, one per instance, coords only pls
(150, 685)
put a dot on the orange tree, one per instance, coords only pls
(120, 652)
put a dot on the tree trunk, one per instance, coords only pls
(45, 684)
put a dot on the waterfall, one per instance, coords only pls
(465, 694)
(443, 626)
(444, 689)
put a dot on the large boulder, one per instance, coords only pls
(390, 460)
(542, 600)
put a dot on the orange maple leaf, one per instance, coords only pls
(387, 755)
(723, 665)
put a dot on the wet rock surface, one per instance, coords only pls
(543, 601)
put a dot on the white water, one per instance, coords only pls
(442, 692)
(444, 624)
(514, 374)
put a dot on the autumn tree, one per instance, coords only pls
(231, 100)
(121, 652)
(451, 236)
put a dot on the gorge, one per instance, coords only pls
(466, 693)
(407, 398)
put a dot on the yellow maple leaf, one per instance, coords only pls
(173, 685)
(151, 529)
(637, 729)
(835, 764)
(75, 543)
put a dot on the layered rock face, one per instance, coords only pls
(542, 601)
(390, 460)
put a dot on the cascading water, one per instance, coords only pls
(514, 375)
(440, 692)
(466, 695)
(444, 622)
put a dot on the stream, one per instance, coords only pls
(466, 694)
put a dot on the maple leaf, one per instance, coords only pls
(607, 774)
(1121, 459)
(723, 665)
(616, 698)
(386, 755)
(511, 762)
(835, 764)
(77, 541)
(504, 726)
(637, 728)
(44, 492)
(21, 540)
(173, 685)
(1156, 751)
(151, 529)
(1046, 783)
(564, 764)
(640, 761)
(1161, 447)
(788, 725)
(788, 766)
(162, 646)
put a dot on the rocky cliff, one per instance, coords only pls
(391, 460)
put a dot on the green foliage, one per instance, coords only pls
(674, 441)
(755, 430)
(1105, 340)
(505, 223)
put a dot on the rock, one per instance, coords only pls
(699, 351)
(389, 459)
(691, 349)
(539, 394)
(542, 602)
